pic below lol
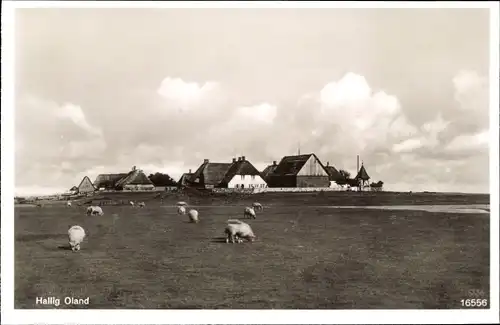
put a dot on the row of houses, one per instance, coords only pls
(292, 171)
(135, 180)
(304, 171)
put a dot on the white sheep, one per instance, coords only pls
(236, 230)
(94, 210)
(76, 235)
(131, 203)
(182, 203)
(68, 204)
(257, 206)
(249, 213)
(141, 204)
(181, 210)
(193, 216)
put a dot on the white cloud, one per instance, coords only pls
(76, 115)
(408, 145)
(262, 113)
(185, 93)
(356, 119)
(469, 142)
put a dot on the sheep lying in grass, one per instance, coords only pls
(237, 230)
(257, 206)
(94, 210)
(141, 204)
(68, 204)
(182, 203)
(193, 216)
(39, 205)
(181, 210)
(249, 213)
(76, 235)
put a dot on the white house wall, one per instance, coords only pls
(248, 181)
(312, 168)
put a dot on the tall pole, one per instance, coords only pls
(357, 164)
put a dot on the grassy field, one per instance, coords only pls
(306, 255)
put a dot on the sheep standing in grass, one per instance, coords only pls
(249, 213)
(95, 210)
(141, 204)
(257, 206)
(181, 210)
(193, 216)
(68, 204)
(39, 205)
(131, 203)
(237, 230)
(76, 235)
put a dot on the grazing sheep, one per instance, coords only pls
(141, 204)
(68, 204)
(257, 206)
(39, 205)
(132, 203)
(94, 210)
(249, 213)
(76, 235)
(193, 216)
(237, 230)
(181, 210)
(182, 203)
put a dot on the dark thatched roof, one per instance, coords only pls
(268, 170)
(291, 165)
(333, 173)
(240, 167)
(211, 173)
(108, 180)
(135, 177)
(185, 178)
(362, 174)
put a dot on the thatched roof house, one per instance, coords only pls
(209, 175)
(299, 171)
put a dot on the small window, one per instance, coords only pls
(242, 176)
(253, 177)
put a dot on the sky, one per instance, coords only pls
(102, 90)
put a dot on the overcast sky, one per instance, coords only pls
(102, 90)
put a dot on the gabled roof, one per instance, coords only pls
(83, 180)
(333, 173)
(362, 174)
(269, 170)
(291, 165)
(212, 173)
(186, 177)
(108, 180)
(135, 177)
(74, 188)
(240, 167)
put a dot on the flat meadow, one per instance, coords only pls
(307, 255)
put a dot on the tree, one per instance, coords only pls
(160, 179)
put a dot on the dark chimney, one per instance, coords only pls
(205, 161)
(234, 160)
(327, 163)
(133, 168)
(190, 171)
(274, 163)
(239, 158)
(243, 158)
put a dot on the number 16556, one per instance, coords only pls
(474, 302)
